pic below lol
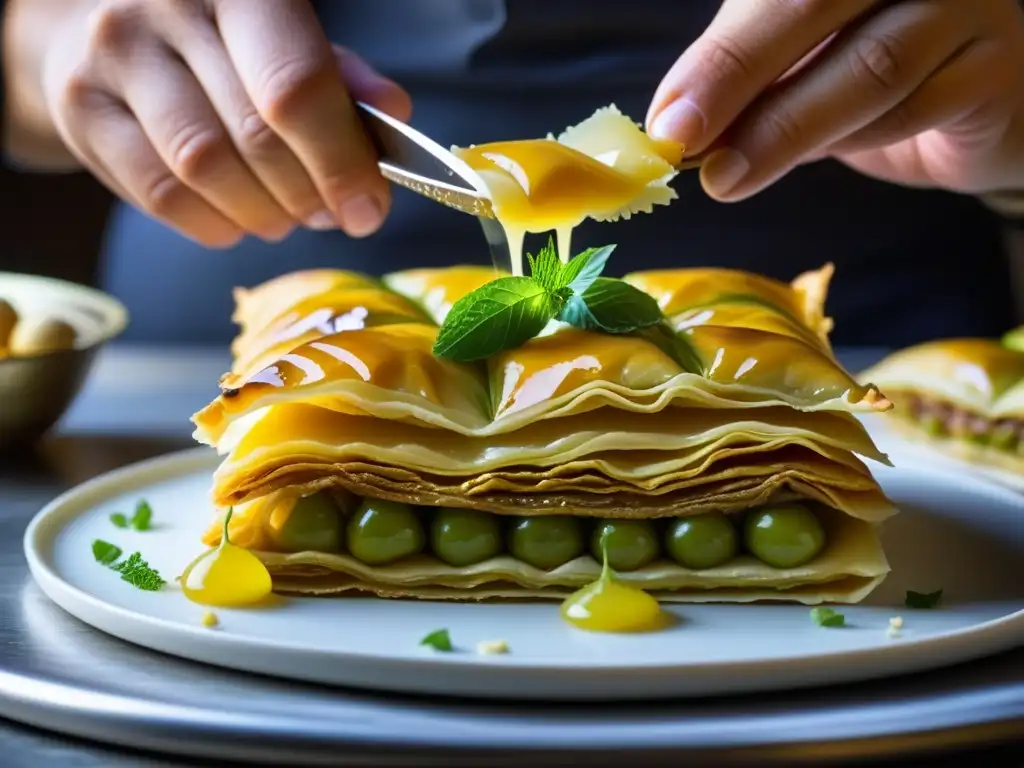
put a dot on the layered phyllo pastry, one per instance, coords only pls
(711, 453)
(963, 397)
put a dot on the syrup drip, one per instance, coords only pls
(226, 576)
(607, 605)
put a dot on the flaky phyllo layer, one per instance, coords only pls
(335, 392)
(350, 344)
(964, 397)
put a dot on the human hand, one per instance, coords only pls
(222, 117)
(918, 92)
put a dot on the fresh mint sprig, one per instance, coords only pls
(134, 569)
(142, 520)
(611, 306)
(509, 311)
(439, 640)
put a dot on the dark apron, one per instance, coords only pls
(911, 264)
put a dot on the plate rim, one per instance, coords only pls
(901, 656)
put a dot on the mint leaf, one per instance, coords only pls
(826, 617)
(611, 306)
(584, 268)
(502, 314)
(923, 599)
(439, 640)
(119, 520)
(137, 572)
(545, 267)
(104, 552)
(575, 313)
(141, 520)
(675, 345)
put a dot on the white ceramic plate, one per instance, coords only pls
(878, 424)
(963, 535)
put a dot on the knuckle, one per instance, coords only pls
(877, 62)
(781, 128)
(196, 151)
(898, 121)
(78, 91)
(342, 183)
(115, 25)
(727, 60)
(803, 8)
(256, 138)
(289, 84)
(160, 195)
(189, 9)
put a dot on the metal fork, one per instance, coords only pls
(414, 161)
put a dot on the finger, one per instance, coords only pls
(123, 150)
(186, 132)
(72, 104)
(867, 71)
(749, 45)
(963, 97)
(290, 73)
(963, 106)
(367, 85)
(264, 152)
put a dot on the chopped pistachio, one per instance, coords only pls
(1003, 437)
(491, 647)
(933, 425)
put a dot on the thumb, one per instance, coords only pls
(368, 85)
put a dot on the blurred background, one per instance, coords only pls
(54, 227)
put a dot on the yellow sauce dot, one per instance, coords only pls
(209, 619)
(609, 606)
(226, 577)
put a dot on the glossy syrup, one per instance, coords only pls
(607, 605)
(541, 185)
(226, 576)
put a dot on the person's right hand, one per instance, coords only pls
(222, 117)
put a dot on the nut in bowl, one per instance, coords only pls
(50, 331)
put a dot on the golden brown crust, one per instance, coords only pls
(961, 449)
(978, 375)
(758, 341)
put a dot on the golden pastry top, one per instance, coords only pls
(980, 375)
(357, 345)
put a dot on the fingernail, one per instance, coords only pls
(322, 220)
(723, 170)
(361, 215)
(279, 234)
(680, 121)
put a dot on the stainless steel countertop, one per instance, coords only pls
(137, 404)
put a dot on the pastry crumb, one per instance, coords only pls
(491, 647)
(895, 625)
(209, 619)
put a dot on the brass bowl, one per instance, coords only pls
(35, 391)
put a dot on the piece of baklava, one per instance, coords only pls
(963, 397)
(715, 457)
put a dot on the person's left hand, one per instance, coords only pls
(917, 92)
